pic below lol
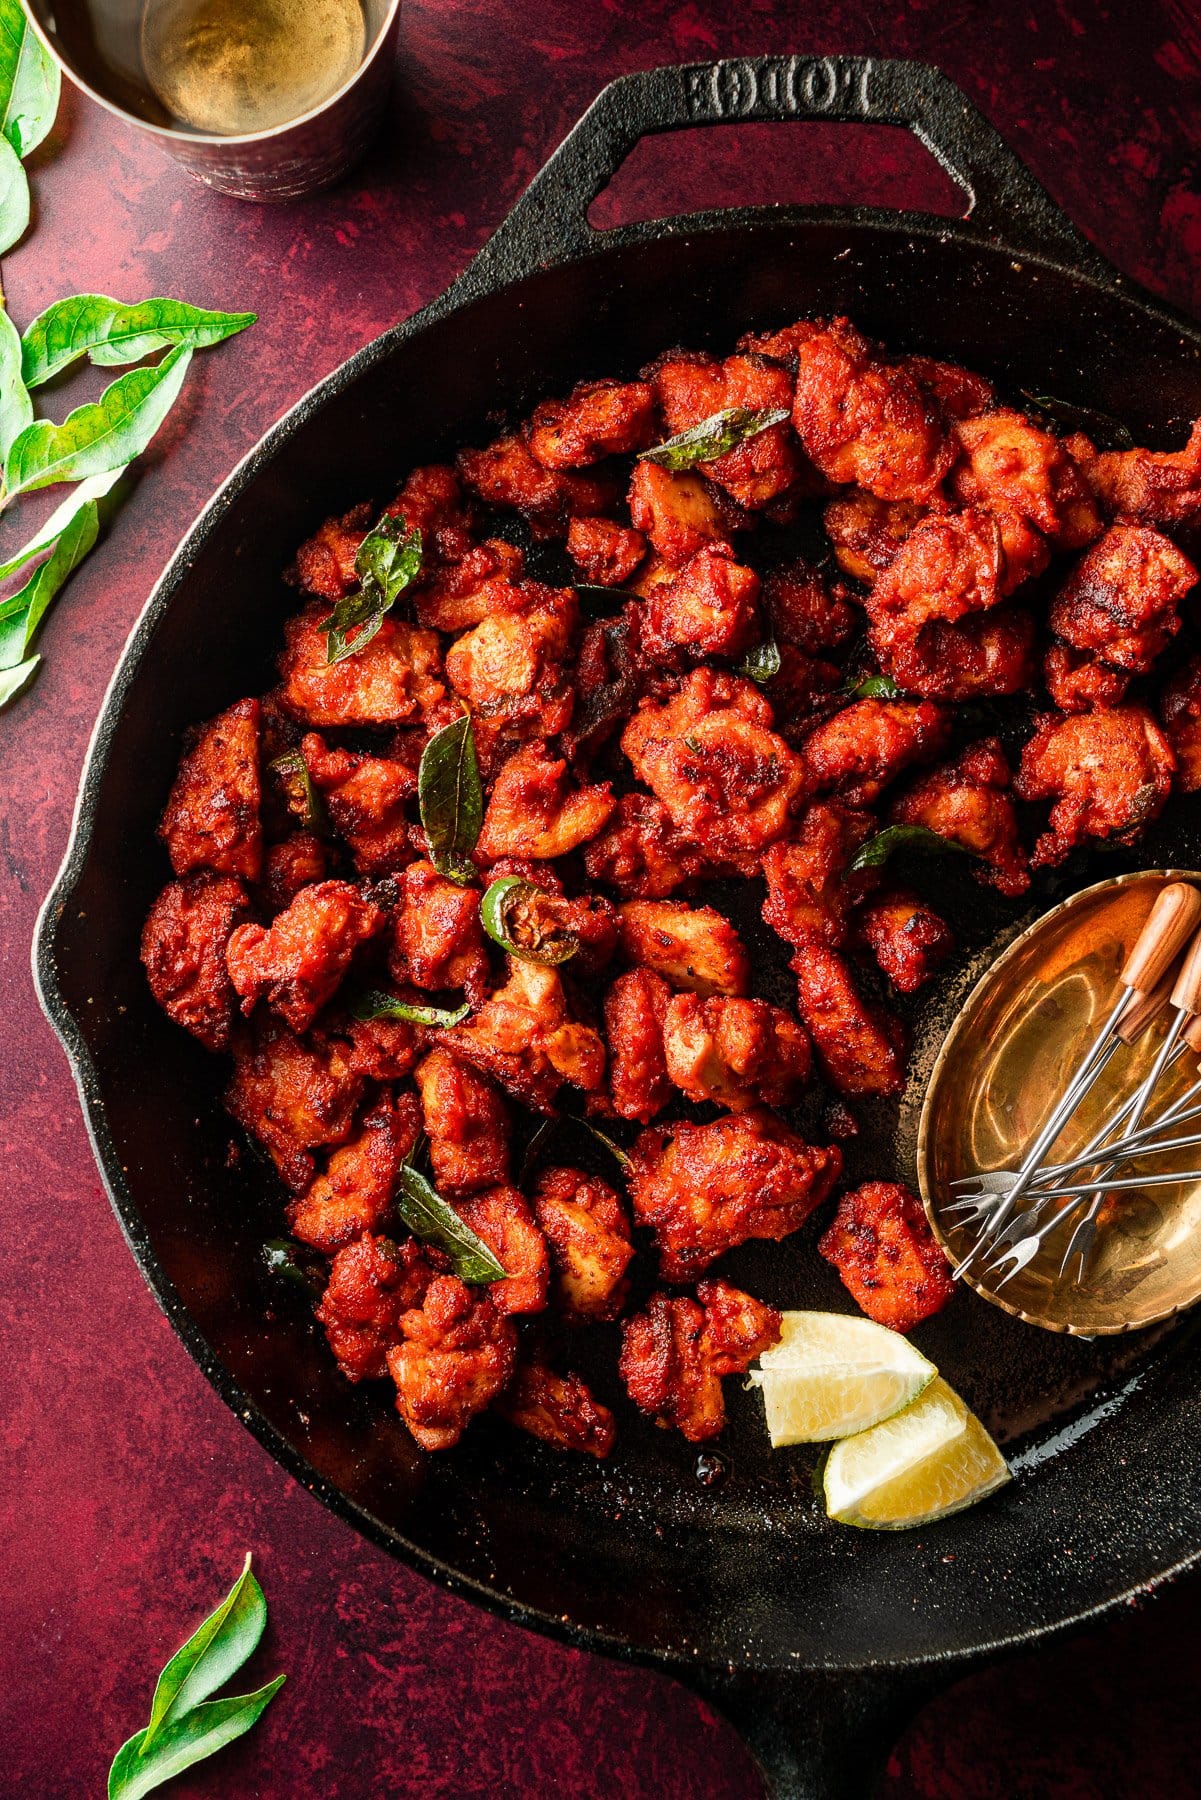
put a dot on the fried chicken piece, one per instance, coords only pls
(863, 748)
(502, 1219)
(692, 387)
(985, 654)
(728, 781)
(680, 512)
(437, 940)
(866, 532)
(598, 419)
(738, 1053)
(886, 1255)
(809, 887)
(1152, 487)
(1108, 774)
(783, 345)
(355, 1192)
(906, 937)
(367, 798)
(457, 1354)
(692, 947)
(372, 1284)
(588, 1234)
(296, 862)
(968, 801)
(960, 393)
(604, 552)
(1009, 465)
(212, 816)
(395, 677)
(432, 502)
(467, 1124)
(1078, 682)
(559, 1409)
(640, 852)
(807, 611)
(708, 609)
(294, 1095)
(702, 1189)
(325, 562)
(535, 812)
(512, 667)
(183, 950)
(635, 1008)
(860, 1048)
(525, 1037)
(299, 960)
(674, 1354)
(381, 1049)
(864, 420)
(801, 692)
(486, 580)
(1180, 713)
(507, 473)
(1120, 601)
(948, 566)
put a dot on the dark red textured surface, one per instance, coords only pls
(128, 1493)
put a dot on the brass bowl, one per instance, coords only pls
(1005, 1063)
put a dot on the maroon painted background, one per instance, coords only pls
(127, 1493)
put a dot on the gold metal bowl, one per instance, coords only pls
(1005, 1063)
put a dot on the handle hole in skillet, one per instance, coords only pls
(796, 163)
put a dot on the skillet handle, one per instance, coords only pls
(821, 1737)
(1003, 200)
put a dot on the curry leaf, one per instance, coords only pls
(877, 850)
(296, 1263)
(29, 81)
(102, 435)
(14, 197)
(388, 559)
(600, 601)
(300, 791)
(214, 1652)
(522, 918)
(451, 800)
(714, 436)
(619, 1156)
(762, 663)
(875, 687)
(22, 614)
(430, 1218)
(138, 1770)
(13, 680)
(111, 333)
(16, 408)
(377, 1005)
(1106, 432)
(94, 488)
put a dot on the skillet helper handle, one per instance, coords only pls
(1003, 200)
(821, 1737)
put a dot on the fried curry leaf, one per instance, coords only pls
(762, 663)
(877, 850)
(520, 917)
(875, 687)
(388, 559)
(101, 436)
(300, 791)
(21, 616)
(451, 800)
(214, 1652)
(1106, 432)
(430, 1218)
(29, 81)
(296, 1263)
(713, 437)
(111, 333)
(615, 1150)
(203, 1731)
(377, 1005)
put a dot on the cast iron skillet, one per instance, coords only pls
(815, 1638)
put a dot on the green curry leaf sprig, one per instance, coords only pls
(450, 799)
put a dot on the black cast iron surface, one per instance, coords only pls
(635, 1556)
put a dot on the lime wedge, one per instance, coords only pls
(831, 1374)
(930, 1460)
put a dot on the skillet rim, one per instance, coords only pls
(484, 278)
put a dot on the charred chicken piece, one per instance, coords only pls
(907, 938)
(737, 1053)
(1107, 773)
(886, 1255)
(1180, 713)
(212, 816)
(861, 1049)
(862, 749)
(183, 950)
(372, 1284)
(354, 1194)
(864, 420)
(606, 553)
(525, 1037)
(1121, 600)
(969, 801)
(536, 811)
(367, 798)
(709, 608)
(1151, 487)
(674, 1354)
(680, 512)
(457, 1352)
(298, 962)
(1008, 464)
(502, 1219)
(598, 419)
(1078, 682)
(588, 1235)
(692, 947)
(437, 940)
(640, 852)
(559, 1409)
(293, 1095)
(867, 532)
(692, 388)
(635, 1009)
(466, 1122)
